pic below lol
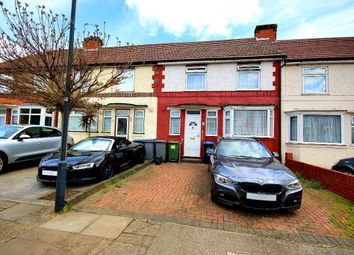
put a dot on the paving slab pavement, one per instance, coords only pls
(184, 240)
(18, 211)
(107, 226)
(71, 222)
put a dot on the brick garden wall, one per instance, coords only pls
(340, 183)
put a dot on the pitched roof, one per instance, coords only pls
(338, 48)
(205, 50)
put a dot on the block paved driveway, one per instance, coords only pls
(182, 191)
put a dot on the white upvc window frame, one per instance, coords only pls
(30, 114)
(300, 127)
(139, 117)
(103, 119)
(212, 117)
(352, 126)
(314, 75)
(3, 114)
(80, 114)
(14, 113)
(249, 68)
(175, 117)
(190, 70)
(128, 74)
(270, 119)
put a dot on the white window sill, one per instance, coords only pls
(174, 134)
(215, 135)
(239, 89)
(312, 143)
(315, 94)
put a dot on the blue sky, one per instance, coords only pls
(156, 21)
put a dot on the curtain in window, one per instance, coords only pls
(315, 84)
(250, 122)
(196, 81)
(322, 128)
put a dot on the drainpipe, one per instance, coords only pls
(280, 105)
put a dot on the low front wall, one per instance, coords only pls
(340, 183)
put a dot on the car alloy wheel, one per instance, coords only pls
(107, 171)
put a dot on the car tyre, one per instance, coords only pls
(106, 171)
(3, 162)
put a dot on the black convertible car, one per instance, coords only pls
(95, 158)
(345, 165)
(245, 173)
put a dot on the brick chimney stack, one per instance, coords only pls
(92, 42)
(266, 32)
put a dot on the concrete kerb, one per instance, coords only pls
(71, 201)
(326, 240)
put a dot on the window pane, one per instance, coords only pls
(293, 128)
(227, 126)
(128, 83)
(24, 119)
(74, 123)
(48, 121)
(250, 123)
(248, 80)
(2, 111)
(36, 111)
(196, 81)
(107, 124)
(314, 84)
(322, 128)
(139, 113)
(2, 120)
(211, 126)
(35, 119)
(174, 126)
(25, 110)
(122, 113)
(211, 114)
(175, 113)
(14, 119)
(321, 70)
(139, 125)
(108, 113)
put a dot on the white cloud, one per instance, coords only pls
(199, 18)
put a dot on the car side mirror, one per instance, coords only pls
(275, 154)
(23, 136)
(209, 151)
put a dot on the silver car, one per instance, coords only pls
(22, 143)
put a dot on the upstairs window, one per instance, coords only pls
(315, 80)
(196, 77)
(248, 77)
(127, 85)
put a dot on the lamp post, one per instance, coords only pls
(62, 166)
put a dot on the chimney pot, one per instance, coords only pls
(93, 42)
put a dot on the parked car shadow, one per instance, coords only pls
(20, 166)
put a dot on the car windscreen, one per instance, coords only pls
(93, 144)
(7, 131)
(243, 149)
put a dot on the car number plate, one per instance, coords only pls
(262, 197)
(49, 173)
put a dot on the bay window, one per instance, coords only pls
(249, 121)
(175, 117)
(212, 123)
(315, 128)
(14, 116)
(196, 77)
(75, 122)
(30, 116)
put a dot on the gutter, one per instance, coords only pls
(280, 106)
(219, 61)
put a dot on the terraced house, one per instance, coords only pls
(318, 99)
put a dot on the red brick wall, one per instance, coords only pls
(8, 116)
(340, 183)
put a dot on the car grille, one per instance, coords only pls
(258, 188)
(261, 204)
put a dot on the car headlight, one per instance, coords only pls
(294, 185)
(83, 166)
(222, 179)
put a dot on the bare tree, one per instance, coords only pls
(34, 58)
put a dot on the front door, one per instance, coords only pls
(192, 134)
(122, 127)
